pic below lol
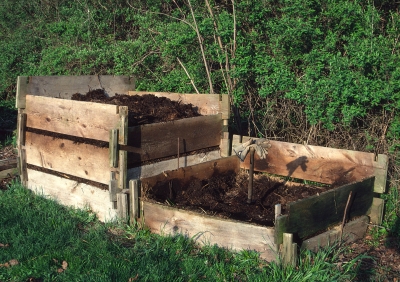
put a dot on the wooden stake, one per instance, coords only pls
(178, 152)
(278, 211)
(134, 199)
(251, 175)
(345, 215)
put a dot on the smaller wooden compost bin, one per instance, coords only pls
(319, 214)
(85, 174)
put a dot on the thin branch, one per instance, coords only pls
(191, 80)
(202, 49)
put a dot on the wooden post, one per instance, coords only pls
(134, 199)
(122, 206)
(113, 186)
(251, 176)
(22, 90)
(278, 211)
(289, 250)
(376, 211)
(123, 166)
(113, 147)
(22, 168)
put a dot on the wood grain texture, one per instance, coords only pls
(206, 104)
(316, 213)
(77, 118)
(65, 86)
(81, 160)
(158, 167)
(376, 212)
(158, 140)
(352, 231)
(22, 90)
(314, 163)
(210, 230)
(72, 193)
(200, 171)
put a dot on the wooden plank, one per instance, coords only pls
(158, 140)
(225, 106)
(158, 167)
(200, 171)
(113, 147)
(123, 160)
(77, 118)
(207, 104)
(113, 187)
(380, 173)
(11, 172)
(123, 125)
(289, 250)
(318, 212)
(22, 169)
(352, 231)
(314, 163)
(376, 212)
(210, 230)
(81, 160)
(72, 193)
(8, 163)
(65, 86)
(22, 90)
(122, 206)
(134, 187)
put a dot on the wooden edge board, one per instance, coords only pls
(8, 163)
(11, 172)
(352, 231)
(76, 118)
(199, 171)
(314, 163)
(380, 173)
(159, 167)
(61, 155)
(376, 212)
(158, 140)
(208, 230)
(22, 90)
(65, 86)
(72, 193)
(207, 104)
(318, 212)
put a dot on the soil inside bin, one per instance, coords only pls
(225, 196)
(142, 109)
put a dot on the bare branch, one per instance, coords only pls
(191, 80)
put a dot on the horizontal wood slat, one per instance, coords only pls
(315, 163)
(200, 171)
(65, 86)
(210, 230)
(207, 104)
(158, 140)
(76, 118)
(72, 193)
(81, 160)
(313, 214)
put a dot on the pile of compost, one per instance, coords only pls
(143, 109)
(225, 195)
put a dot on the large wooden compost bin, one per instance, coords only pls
(312, 221)
(83, 153)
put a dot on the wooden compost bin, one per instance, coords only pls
(320, 214)
(70, 171)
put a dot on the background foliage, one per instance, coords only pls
(321, 72)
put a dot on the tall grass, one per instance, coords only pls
(41, 240)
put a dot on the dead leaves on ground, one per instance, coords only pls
(10, 263)
(64, 266)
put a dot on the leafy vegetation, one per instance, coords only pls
(43, 241)
(321, 72)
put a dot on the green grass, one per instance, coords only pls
(41, 234)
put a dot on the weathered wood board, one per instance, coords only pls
(72, 193)
(352, 231)
(315, 163)
(313, 214)
(207, 104)
(81, 160)
(158, 167)
(209, 230)
(200, 171)
(65, 86)
(76, 118)
(157, 140)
